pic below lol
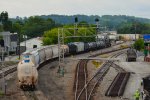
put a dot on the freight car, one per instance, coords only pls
(31, 59)
(131, 55)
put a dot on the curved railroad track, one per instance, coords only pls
(83, 89)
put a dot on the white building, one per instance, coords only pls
(31, 42)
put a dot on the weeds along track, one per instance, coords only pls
(85, 89)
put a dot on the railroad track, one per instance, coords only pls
(117, 87)
(8, 71)
(84, 90)
(33, 95)
(81, 78)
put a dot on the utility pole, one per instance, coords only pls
(97, 28)
(135, 30)
(18, 44)
(25, 38)
(135, 34)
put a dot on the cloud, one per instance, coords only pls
(100, 7)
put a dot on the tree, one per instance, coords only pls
(4, 17)
(51, 37)
(139, 44)
(7, 24)
(35, 26)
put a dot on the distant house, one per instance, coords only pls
(31, 42)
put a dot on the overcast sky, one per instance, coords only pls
(138, 8)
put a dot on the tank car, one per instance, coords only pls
(31, 59)
(131, 55)
(27, 71)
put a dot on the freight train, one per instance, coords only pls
(31, 59)
(131, 55)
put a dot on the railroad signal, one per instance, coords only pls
(76, 19)
(2, 43)
(96, 20)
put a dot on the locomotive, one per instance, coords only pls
(31, 59)
(131, 55)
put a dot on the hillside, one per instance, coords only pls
(111, 21)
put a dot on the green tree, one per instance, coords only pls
(35, 26)
(1, 28)
(139, 44)
(51, 37)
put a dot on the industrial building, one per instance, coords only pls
(10, 41)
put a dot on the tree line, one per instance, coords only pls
(47, 25)
(32, 27)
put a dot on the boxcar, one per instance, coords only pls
(48, 52)
(55, 51)
(42, 55)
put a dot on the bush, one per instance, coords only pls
(139, 44)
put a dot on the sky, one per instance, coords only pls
(22, 8)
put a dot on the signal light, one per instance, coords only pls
(76, 19)
(2, 43)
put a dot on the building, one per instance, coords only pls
(31, 42)
(10, 41)
(129, 36)
(13, 41)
